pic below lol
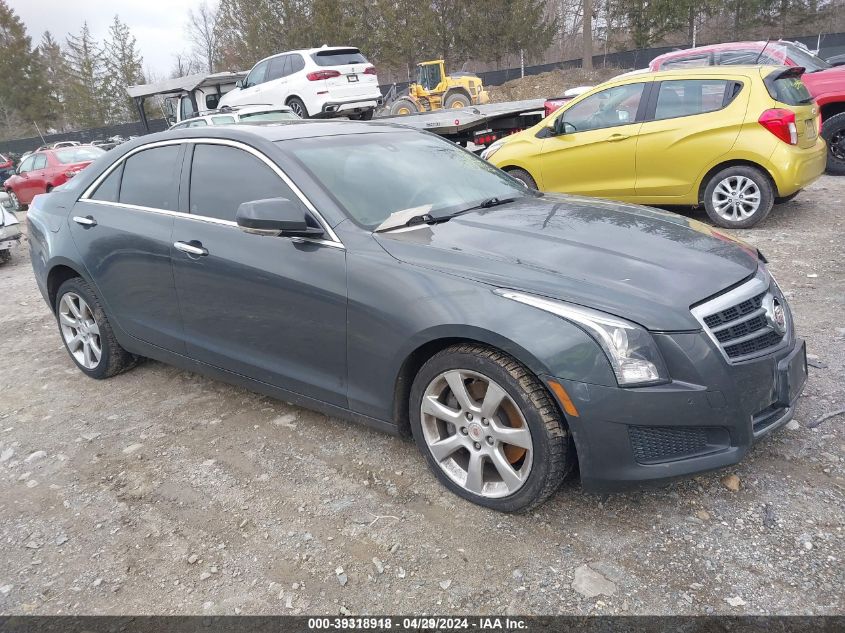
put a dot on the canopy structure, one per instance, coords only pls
(180, 86)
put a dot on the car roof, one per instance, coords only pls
(281, 131)
(309, 51)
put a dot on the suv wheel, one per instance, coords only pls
(833, 132)
(489, 429)
(86, 332)
(298, 106)
(738, 197)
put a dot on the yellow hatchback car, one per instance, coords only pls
(734, 139)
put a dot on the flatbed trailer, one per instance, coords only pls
(480, 125)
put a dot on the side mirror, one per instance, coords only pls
(276, 216)
(239, 83)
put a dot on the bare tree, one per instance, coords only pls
(183, 65)
(202, 31)
(587, 60)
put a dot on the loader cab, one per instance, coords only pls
(430, 74)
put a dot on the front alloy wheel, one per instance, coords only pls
(489, 429)
(476, 433)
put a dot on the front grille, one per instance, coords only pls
(741, 321)
(660, 443)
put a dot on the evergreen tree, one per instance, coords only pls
(86, 97)
(123, 68)
(55, 73)
(19, 71)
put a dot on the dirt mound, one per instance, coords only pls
(550, 84)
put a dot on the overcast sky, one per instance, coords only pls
(158, 25)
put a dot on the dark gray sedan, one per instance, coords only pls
(386, 276)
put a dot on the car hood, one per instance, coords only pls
(642, 264)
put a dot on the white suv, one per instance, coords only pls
(245, 114)
(317, 82)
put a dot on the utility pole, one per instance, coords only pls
(587, 59)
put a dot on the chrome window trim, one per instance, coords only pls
(86, 195)
(761, 282)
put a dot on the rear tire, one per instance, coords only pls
(518, 450)
(738, 197)
(13, 198)
(366, 115)
(5, 256)
(298, 106)
(833, 132)
(84, 329)
(522, 176)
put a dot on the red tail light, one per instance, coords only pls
(370, 71)
(322, 74)
(781, 123)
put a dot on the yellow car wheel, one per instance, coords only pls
(403, 107)
(457, 101)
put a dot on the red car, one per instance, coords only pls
(825, 82)
(43, 171)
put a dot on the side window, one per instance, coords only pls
(186, 108)
(690, 96)
(747, 58)
(198, 123)
(278, 67)
(257, 75)
(211, 101)
(40, 162)
(222, 120)
(109, 189)
(150, 178)
(608, 108)
(26, 165)
(296, 63)
(224, 177)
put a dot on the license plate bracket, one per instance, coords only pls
(792, 375)
(352, 78)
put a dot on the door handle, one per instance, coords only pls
(86, 221)
(191, 248)
(613, 138)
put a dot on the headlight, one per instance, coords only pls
(492, 149)
(630, 349)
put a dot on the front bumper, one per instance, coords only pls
(9, 241)
(628, 438)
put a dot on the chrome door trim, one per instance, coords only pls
(189, 248)
(86, 195)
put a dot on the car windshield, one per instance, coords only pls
(806, 59)
(375, 175)
(263, 117)
(78, 154)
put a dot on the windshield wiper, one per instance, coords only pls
(412, 217)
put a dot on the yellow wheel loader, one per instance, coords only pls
(434, 89)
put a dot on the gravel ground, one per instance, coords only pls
(160, 491)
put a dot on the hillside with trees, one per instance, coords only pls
(79, 82)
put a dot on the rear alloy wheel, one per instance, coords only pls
(738, 197)
(488, 428)
(833, 132)
(86, 332)
(298, 106)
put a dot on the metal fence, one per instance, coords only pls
(828, 45)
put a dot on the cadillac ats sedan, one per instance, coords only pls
(386, 276)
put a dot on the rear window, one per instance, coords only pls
(78, 154)
(806, 59)
(789, 90)
(691, 61)
(339, 57)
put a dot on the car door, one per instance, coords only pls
(21, 178)
(122, 226)
(270, 308)
(592, 151)
(690, 123)
(275, 90)
(252, 87)
(35, 181)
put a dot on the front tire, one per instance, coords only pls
(488, 428)
(86, 332)
(738, 197)
(13, 198)
(458, 100)
(522, 176)
(833, 132)
(403, 107)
